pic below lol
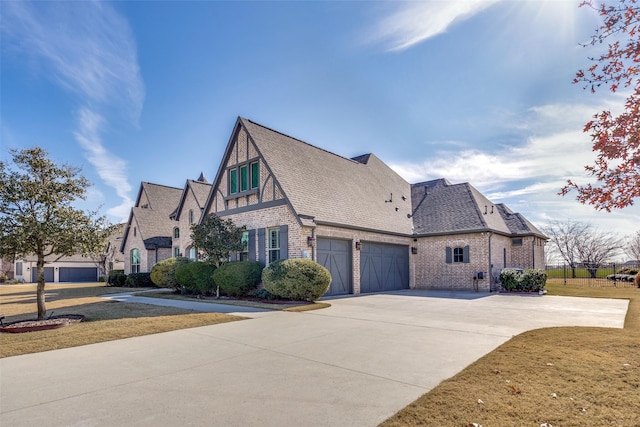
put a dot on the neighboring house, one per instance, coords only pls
(75, 268)
(147, 235)
(373, 230)
(189, 212)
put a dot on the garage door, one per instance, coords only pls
(335, 255)
(383, 267)
(48, 275)
(78, 274)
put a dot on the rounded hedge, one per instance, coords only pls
(238, 278)
(296, 279)
(196, 277)
(163, 274)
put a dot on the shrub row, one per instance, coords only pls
(622, 277)
(530, 280)
(296, 279)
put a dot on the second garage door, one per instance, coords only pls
(78, 274)
(383, 267)
(48, 275)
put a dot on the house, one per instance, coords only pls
(147, 234)
(187, 213)
(74, 268)
(7, 271)
(373, 230)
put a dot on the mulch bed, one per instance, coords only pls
(53, 322)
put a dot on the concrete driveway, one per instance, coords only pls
(354, 364)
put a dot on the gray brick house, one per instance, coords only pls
(189, 211)
(373, 230)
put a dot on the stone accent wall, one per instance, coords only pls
(432, 272)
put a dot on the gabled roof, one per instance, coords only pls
(363, 193)
(152, 218)
(200, 190)
(444, 208)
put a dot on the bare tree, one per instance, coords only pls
(563, 239)
(595, 248)
(633, 246)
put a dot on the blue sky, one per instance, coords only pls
(476, 91)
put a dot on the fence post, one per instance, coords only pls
(615, 281)
(564, 273)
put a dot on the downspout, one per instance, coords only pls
(313, 243)
(490, 272)
(533, 252)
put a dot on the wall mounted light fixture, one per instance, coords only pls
(358, 246)
(310, 240)
(414, 250)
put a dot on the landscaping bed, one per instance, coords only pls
(53, 322)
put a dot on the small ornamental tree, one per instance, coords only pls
(616, 138)
(215, 240)
(37, 216)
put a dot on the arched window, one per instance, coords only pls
(192, 252)
(176, 232)
(135, 261)
(191, 217)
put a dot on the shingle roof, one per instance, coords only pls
(363, 193)
(441, 207)
(200, 189)
(153, 218)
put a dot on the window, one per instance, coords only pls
(135, 232)
(458, 255)
(191, 217)
(192, 252)
(233, 181)
(18, 269)
(176, 252)
(244, 253)
(274, 244)
(516, 241)
(135, 261)
(255, 175)
(244, 178)
(176, 232)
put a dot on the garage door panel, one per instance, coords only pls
(48, 275)
(77, 274)
(383, 267)
(335, 255)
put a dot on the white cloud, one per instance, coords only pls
(414, 22)
(87, 49)
(529, 176)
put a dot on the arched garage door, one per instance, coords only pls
(335, 255)
(383, 267)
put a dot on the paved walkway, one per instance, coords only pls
(353, 364)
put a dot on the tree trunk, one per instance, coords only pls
(42, 311)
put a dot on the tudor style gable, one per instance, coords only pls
(244, 180)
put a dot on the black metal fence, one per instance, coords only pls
(620, 275)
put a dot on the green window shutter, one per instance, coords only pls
(255, 175)
(465, 254)
(244, 178)
(233, 181)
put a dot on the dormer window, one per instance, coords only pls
(191, 217)
(244, 177)
(176, 233)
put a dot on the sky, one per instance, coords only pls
(473, 91)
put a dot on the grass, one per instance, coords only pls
(568, 376)
(105, 320)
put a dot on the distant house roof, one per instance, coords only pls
(200, 189)
(444, 208)
(152, 211)
(360, 193)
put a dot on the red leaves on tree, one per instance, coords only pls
(616, 139)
